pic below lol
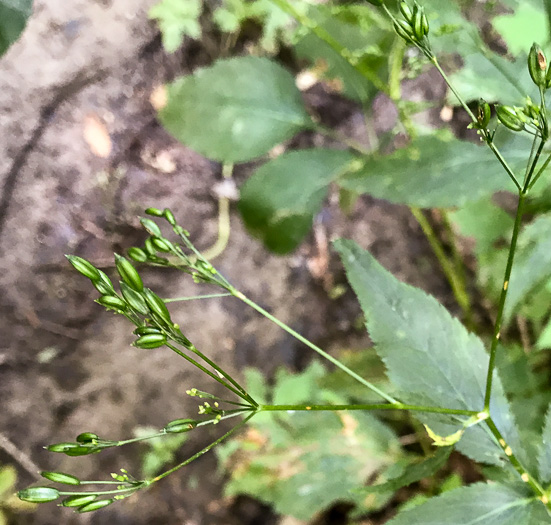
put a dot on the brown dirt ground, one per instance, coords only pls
(65, 365)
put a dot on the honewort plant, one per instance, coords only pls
(440, 372)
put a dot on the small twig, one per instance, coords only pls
(19, 456)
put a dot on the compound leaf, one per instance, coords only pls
(176, 20)
(430, 357)
(235, 110)
(279, 201)
(13, 19)
(481, 503)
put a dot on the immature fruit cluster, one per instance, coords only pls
(415, 26)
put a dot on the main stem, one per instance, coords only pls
(503, 297)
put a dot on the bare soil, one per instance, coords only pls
(65, 364)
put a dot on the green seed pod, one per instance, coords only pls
(104, 285)
(403, 29)
(509, 118)
(149, 341)
(112, 302)
(144, 330)
(78, 501)
(406, 11)
(151, 227)
(137, 254)
(484, 113)
(169, 216)
(84, 267)
(157, 305)
(87, 437)
(162, 245)
(155, 212)
(179, 426)
(425, 24)
(128, 273)
(82, 451)
(134, 299)
(62, 447)
(95, 505)
(537, 66)
(60, 477)
(38, 494)
(150, 247)
(419, 23)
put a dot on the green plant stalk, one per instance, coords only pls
(454, 277)
(202, 451)
(502, 298)
(524, 474)
(323, 35)
(311, 345)
(530, 172)
(379, 406)
(194, 297)
(540, 172)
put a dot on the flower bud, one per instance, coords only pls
(169, 216)
(60, 477)
(95, 505)
(154, 212)
(84, 267)
(419, 24)
(180, 425)
(484, 113)
(137, 254)
(144, 330)
(162, 244)
(134, 299)
(537, 66)
(78, 501)
(509, 118)
(128, 273)
(151, 227)
(403, 29)
(38, 494)
(87, 437)
(112, 302)
(157, 305)
(406, 11)
(149, 341)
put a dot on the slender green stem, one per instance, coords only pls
(454, 278)
(539, 173)
(524, 474)
(203, 451)
(311, 345)
(530, 172)
(103, 492)
(193, 297)
(499, 318)
(376, 406)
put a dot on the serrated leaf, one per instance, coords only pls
(13, 19)
(430, 357)
(235, 110)
(433, 173)
(532, 262)
(544, 455)
(413, 473)
(477, 504)
(279, 201)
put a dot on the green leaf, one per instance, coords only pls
(360, 32)
(13, 19)
(477, 504)
(532, 262)
(544, 456)
(280, 200)
(235, 110)
(303, 463)
(413, 473)
(177, 19)
(433, 173)
(430, 357)
(8, 477)
(520, 29)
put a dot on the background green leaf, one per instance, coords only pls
(430, 357)
(279, 201)
(235, 110)
(477, 504)
(544, 455)
(176, 20)
(13, 19)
